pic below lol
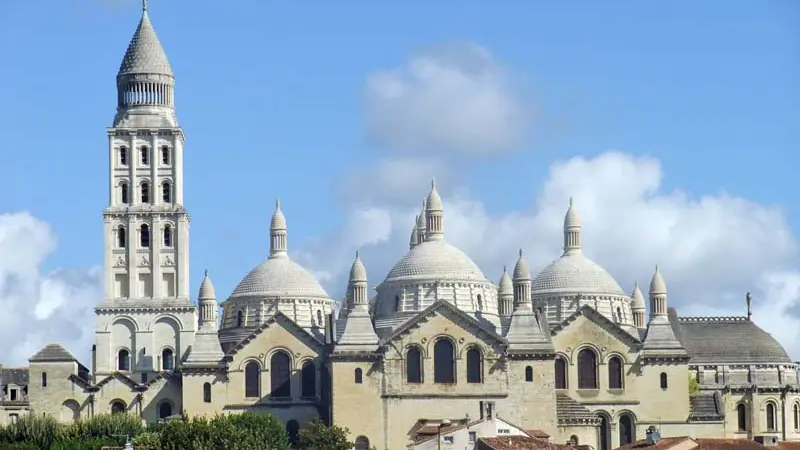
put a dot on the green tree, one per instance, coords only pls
(317, 436)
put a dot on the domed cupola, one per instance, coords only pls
(574, 280)
(145, 83)
(432, 270)
(277, 284)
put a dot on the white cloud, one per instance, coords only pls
(41, 307)
(712, 249)
(453, 98)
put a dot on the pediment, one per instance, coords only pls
(285, 323)
(593, 316)
(442, 314)
(120, 379)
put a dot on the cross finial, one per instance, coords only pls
(144, 5)
(206, 269)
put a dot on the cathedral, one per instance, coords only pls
(566, 352)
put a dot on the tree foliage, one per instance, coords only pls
(317, 436)
(249, 431)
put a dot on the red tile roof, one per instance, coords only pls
(709, 444)
(519, 443)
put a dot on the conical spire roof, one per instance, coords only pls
(145, 55)
(638, 298)
(506, 287)
(207, 291)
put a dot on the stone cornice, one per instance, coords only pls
(120, 307)
(142, 132)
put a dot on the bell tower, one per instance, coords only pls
(146, 319)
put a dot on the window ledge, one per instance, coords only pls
(616, 390)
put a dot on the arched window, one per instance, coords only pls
(122, 239)
(444, 370)
(309, 380)
(44, 379)
(358, 374)
(207, 392)
(123, 360)
(165, 155)
(362, 443)
(166, 192)
(164, 410)
(145, 156)
(123, 156)
(528, 374)
(771, 417)
(796, 416)
(561, 373)
(615, 373)
(117, 407)
(414, 365)
(741, 417)
(319, 318)
(587, 369)
(627, 431)
(123, 193)
(474, 366)
(605, 432)
(292, 429)
(167, 359)
(144, 236)
(664, 384)
(280, 375)
(167, 236)
(573, 441)
(397, 303)
(480, 303)
(145, 188)
(239, 319)
(252, 380)
(619, 314)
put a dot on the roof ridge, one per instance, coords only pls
(714, 319)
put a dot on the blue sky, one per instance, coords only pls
(272, 99)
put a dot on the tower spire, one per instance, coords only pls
(434, 230)
(277, 232)
(572, 230)
(144, 5)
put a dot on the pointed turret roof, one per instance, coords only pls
(145, 55)
(505, 287)
(207, 291)
(638, 298)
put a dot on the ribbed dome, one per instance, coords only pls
(145, 55)
(574, 273)
(279, 277)
(435, 260)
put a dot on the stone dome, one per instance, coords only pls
(279, 277)
(435, 260)
(574, 273)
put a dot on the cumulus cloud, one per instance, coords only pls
(712, 249)
(454, 98)
(40, 307)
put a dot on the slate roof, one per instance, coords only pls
(13, 375)
(53, 353)
(727, 340)
(570, 411)
(705, 406)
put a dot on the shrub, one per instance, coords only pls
(114, 429)
(317, 436)
(42, 432)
